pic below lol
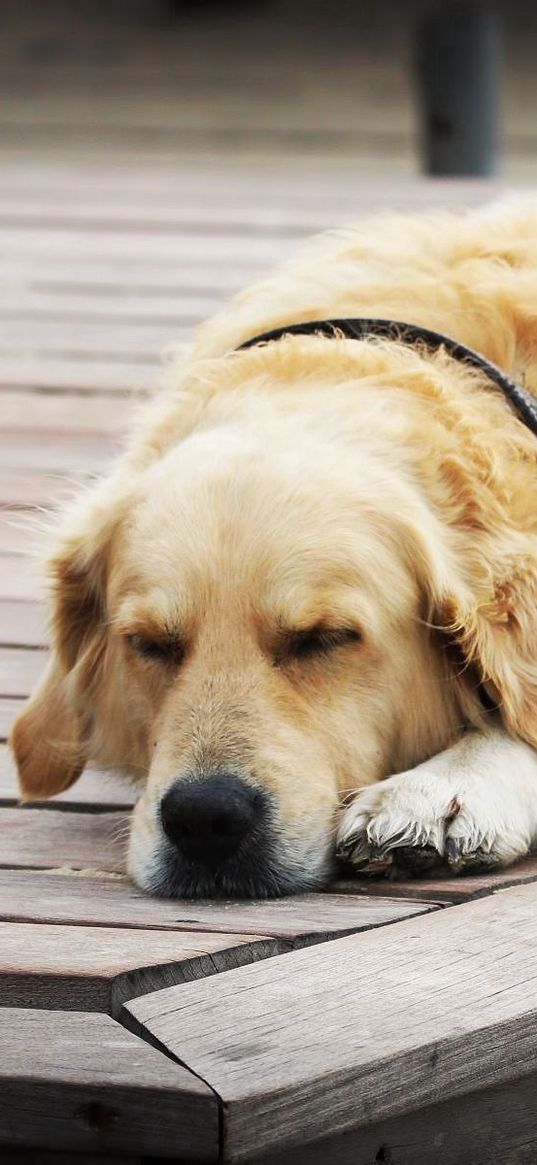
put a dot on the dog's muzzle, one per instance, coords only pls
(219, 839)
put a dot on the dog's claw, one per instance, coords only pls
(367, 858)
(460, 862)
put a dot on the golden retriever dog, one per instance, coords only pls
(305, 601)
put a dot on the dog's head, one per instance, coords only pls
(248, 622)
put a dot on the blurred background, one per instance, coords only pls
(158, 154)
(279, 82)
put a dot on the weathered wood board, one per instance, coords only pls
(84, 1083)
(11, 1156)
(61, 414)
(97, 968)
(363, 1028)
(70, 372)
(495, 1126)
(51, 839)
(441, 887)
(30, 896)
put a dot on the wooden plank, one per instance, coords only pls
(42, 412)
(444, 888)
(28, 489)
(57, 839)
(20, 669)
(75, 339)
(22, 624)
(21, 532)
(93, 790)
(110, 215)
(258, 200)
(48, 303)
(21, 578)
(127, 275)
(11, 1156)
(98, 968)
(27, 896)
(9, 709)
(166, 247)
(90, 373)
(84, 1083)
(50, 454)
(56, 179)
(363, 1028)
(497, 1126)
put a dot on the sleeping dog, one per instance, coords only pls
(302, 610)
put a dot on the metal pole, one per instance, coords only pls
(458, 79)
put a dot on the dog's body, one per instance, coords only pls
(254, 613)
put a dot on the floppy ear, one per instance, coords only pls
(490, 611)
(49, 736)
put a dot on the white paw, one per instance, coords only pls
(473, 806)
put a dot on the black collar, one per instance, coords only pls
(523, 402)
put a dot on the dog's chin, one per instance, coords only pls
(168, 875)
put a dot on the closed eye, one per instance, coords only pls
(316, 641)
(163, 651)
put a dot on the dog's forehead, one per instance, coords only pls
(226, 485)
(224, 522)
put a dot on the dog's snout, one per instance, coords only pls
(207, 819)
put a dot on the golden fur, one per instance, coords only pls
(360, 487)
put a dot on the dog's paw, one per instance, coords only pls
(467, 816)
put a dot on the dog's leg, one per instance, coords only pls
(473, 806)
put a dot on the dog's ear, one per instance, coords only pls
(49, 736)
(491, 614)
(478, 576)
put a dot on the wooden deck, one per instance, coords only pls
(375, 1024)
(378, 1022)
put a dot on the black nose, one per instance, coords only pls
(207, 819)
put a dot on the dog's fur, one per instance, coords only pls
(332, 543)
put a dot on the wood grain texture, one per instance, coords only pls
(446, 889)
(93, 790)
(33, 897)
(497, 1126)
(52, 839)
(80, 1082)
(85, 968)
(11, 1156)
(363, 1028)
